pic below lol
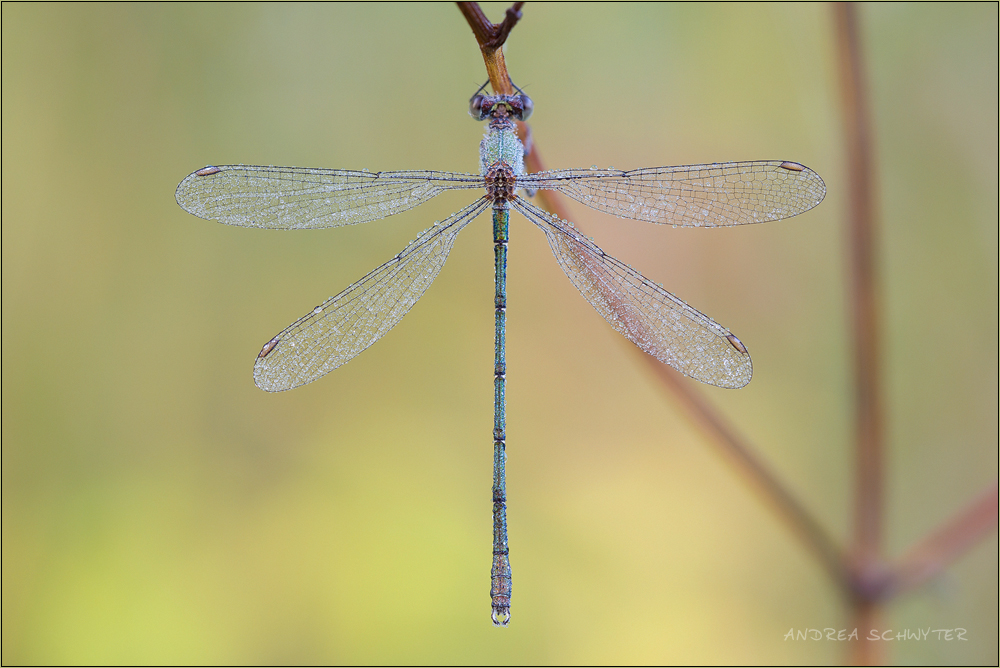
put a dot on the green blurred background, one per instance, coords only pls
(158, 508)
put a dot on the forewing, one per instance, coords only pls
(720, 194)
(300, 198)
(646, 314)
(344, 325)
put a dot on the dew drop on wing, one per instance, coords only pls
(792, 166)
(207, 171)
(736, 343)
(318, 310)
(268, 347)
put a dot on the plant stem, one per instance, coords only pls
(491, 38)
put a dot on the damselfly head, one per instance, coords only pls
(518, 107)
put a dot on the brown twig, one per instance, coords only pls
(491, 38)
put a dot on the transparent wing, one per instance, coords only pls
(299, 198)
(646, 314)
(342, 326)
(728, 193)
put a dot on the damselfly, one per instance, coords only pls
(721, 194)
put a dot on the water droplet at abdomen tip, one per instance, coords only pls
(268, 347)
(736, 343)
(792, 166)
(207, 171)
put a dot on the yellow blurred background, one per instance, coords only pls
(159, 508)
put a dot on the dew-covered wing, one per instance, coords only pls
(720, 194)
(646, 314)
(300, 198)
(343, 326)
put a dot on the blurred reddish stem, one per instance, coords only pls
(864, 578)
(863, 298)
(932, 555)
(740, 454)
(874, 582)
(870, 576)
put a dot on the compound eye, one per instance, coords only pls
(476, 107)
(527, 106)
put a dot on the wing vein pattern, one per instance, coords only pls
(720, 194)
(346, 324)
(655, 320)
(301, 198)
